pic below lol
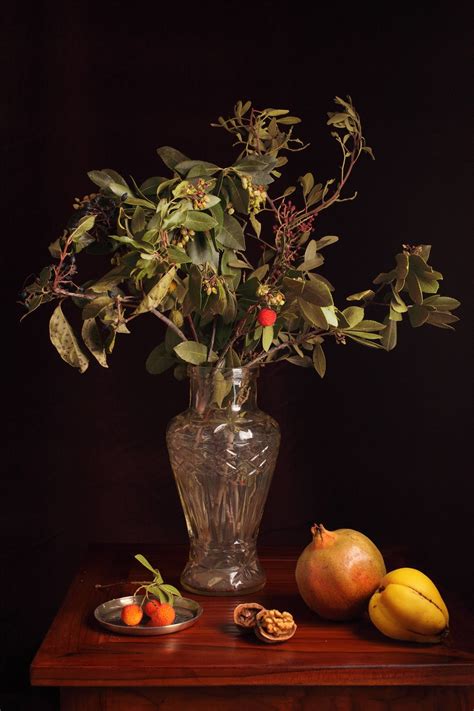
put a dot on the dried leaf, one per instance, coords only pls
(65, 342)
(157, 293)
(93, 340)
(319, 360)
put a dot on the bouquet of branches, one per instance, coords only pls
(191, 249)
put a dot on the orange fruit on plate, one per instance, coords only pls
(131, 615)
(164, 615)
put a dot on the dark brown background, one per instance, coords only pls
(383, 443)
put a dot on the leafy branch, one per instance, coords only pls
(176, 246)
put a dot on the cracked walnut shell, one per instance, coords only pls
(246, 613)
(274, 626)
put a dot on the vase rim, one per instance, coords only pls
(205, 369)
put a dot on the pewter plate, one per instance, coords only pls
(108, 615)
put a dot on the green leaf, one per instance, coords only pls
(159, 360)
(232, 359)
(94, 308)
(315, 195)
(116, 177)
(55, 249)
(418, 315)
(238, 196)
(394, 315)
(65, 342)
(195, 288)
(369, 336)
(231, 234)
(337, 118)
(361, 295)
(397, 302)
(330, 315)
(303, 362)
(414, 288)
(422, 269)
(218, 214)
(260, 272)
(289, 120)
(150, 185)
(216, 303)
(316, 292)
(257, 227)
(92, 338)
(385, 277)
(428, 286)
(309, 264)
(442, 303)
(221, 388)
(353, 315)
(267, 337)
(84, 225)
(171, 589)
(104, 180)
(177, 255)
(255, 164)
(313, 314)
(138, 220)
(319, 360)
(275, 112)
(311, 250)
(307, 183)
(171, 157)
(319, 277)
(124, 239)
(157, 293)
(389, 336)
(201, 250)
(199, 221)
(130, 200)
(402, 267)
(363, 341)
(141, 559)
(192, 352)
(238, 263)
(177, 217)
(196, 168)
(440, 319)
(368, 325)
(326, 241)
(228, 255)
(157, 592)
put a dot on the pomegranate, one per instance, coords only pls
(338, 571)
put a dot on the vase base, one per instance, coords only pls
(223, 580)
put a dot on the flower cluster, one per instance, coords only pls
(257, 194)
(198, 193)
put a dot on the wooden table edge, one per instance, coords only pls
(461, 675)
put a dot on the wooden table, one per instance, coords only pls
(212, 665)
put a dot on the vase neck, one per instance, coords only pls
(230, 389)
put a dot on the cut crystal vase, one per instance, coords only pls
(223, 451)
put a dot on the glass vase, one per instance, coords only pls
(223, 451)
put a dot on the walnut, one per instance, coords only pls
(245, 614)
(274, 626)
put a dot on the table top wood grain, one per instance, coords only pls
(77, 651)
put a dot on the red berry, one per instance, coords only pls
(151, 607)
(266, 317)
